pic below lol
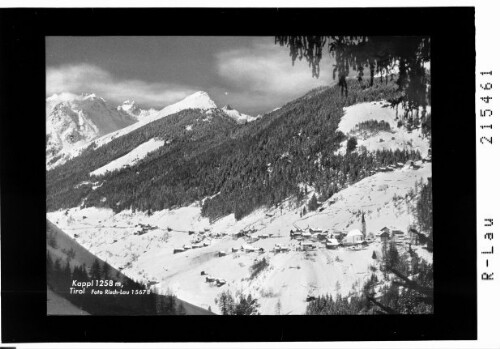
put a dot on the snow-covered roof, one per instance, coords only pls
(354, 232)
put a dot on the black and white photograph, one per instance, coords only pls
(326, 174)
(239, 175)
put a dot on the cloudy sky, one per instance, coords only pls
(251, 73)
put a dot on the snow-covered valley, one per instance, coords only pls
(143, 246)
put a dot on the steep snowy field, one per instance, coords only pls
(385, 198)
(397, 138)
(130, 158)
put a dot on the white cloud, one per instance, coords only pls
(81, 78)
(263, 74)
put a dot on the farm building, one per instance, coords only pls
(307, 246)
(354, 237)
(386, 230)
(321, 236)
(332, 244)
(248, 248)
(383, 236)
(222, 253)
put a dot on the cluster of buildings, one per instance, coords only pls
(355, 237)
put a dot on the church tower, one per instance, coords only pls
(363, 225)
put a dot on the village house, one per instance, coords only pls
(307, 246)
(383, 236)
(386, 230)
(248, 248)
(354, 237)
(332, 244)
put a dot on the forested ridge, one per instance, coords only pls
(247, 166)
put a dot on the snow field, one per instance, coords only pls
(398, 138)
(130, 158)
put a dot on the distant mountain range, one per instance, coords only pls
(76, 121)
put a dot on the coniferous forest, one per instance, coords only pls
(241, 167)
(60, 276)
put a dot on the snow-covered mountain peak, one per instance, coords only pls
(133, 109)
(240, 118)
(199, 99)
(73, 120)
(128, 106)
(91, 96)
(128, 102)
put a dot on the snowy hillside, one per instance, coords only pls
(74, 120)
(130, 158)
(395, 138)
(291, 277)
(240, 118)
(182, 249)
(142, 245)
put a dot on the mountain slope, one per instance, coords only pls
(219, 186)
(264, 161)
(74, 120)
(60, 246)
